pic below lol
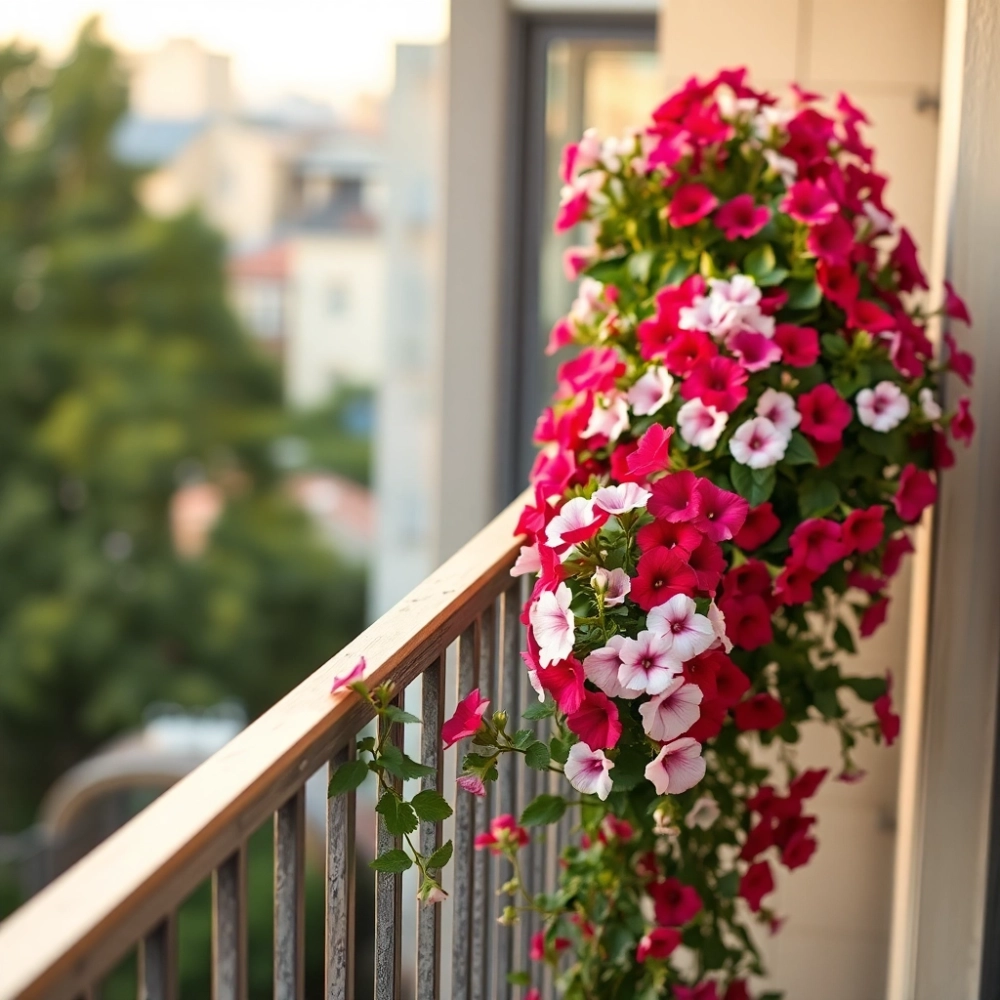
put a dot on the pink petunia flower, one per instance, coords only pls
(701, 426)
(609, 418)
(754, 350)
(648, 663)
(658, 943)
(689, 349)
(708, 564)
(678, 622)
(963, 427)
(588, 771)
(577, 521)
(863, 529)
(564, 681)
(660, 574)
(472, 784)
(873, 617)
(467, 718)
(690, 204)
(888, 720)
(528, 561)
(954, 306)
(553, 624)
(809, 202)
(833, 241)
(799, 344)
(825, 413)
(596, 721)
(960, 362)
(794, 584)
(720, 514)
(915, 492)
(354, 674)
(677, 767)
(758, 444)
(673, 712)
(601, 669)
(882, 408)
(674, 903)
(742, 218)
(748, 620)
(676, 497)
(760, 526)
(503, 835)
(615, 585)
(817, 544)
(653, 452)
(718, 382)
(652, 391)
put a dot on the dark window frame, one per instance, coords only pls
(530, 38)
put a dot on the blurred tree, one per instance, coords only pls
(123, 374)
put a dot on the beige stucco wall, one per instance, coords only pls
(886, 54)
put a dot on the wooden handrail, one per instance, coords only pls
(76, 929)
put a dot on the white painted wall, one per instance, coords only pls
(181, 81)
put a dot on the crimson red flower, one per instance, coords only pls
(742, 217)
(674, 903)
(888, 720)
(690, 204)
(794, 584)
(904, 257)
(718, 382)
(838, 283)
(826, 451)
(720, 514)
(944, 457)
(954, 306)
(873, 617)
(759, 839)
(962, 424)
(467, 718)
(659, 943)
(810, 202)
(863, 529)
(756, 883)
(916, 491)
(870, 583)
(538, 948)
(703, 670)
(864, 314)
(668, 535)
(651, 455)
(806, 785)
(737, 991)
(596, 721)
(798, 850)
(759, 527)
(660, 574)
(504, 834)
(799, 344)
(619, 462)
(759, 712)
(832, 241)
(689, 349)
(748, 620)
(817, 544)
(825, 414)
(960, 362)
(564, 681)
(753, 577)
(571, 211)
(703, 991)
(895, 549)
(710, 722)
(676, 497)
(708, 564)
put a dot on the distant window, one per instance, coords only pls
(338, 299)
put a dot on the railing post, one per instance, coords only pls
(289, 899)
(341, 818)
(158, 962)
(229, 928)
(388, 904)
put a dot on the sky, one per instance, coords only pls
(330, 50)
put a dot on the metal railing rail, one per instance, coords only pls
(126, 894)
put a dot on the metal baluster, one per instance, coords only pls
(229, 928)
(341, 813)
(289, 899)
(465, 809)
(432, 755)
(483, 892)
(388, 906)
(158, 961)
(509, 697)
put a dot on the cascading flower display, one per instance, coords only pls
(726, 483)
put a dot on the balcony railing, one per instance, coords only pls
(457, 630)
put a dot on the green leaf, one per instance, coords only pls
(866, 688)
(395, 714)
(538, 710)
(537, 756)
(729, 884)
(543, 810)
(430, 806)
(399, 817)
(800, 451)
(639, 266)
(677, 272)
(523, 738)
(347, 777)
(828, 703)
(760, 262)
(559, 750)
(754, 484)
(610, 270)
(803, 295)
(398, 764)
(368, 743)
(834, 345)
(441, 856)
(395, 862)
(519, 978)
(772, 278)
(843, 638)
(818, 497)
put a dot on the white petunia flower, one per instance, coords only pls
(587, 771)
(701, 425)
(883, 407)
(553, 625)
(651, 391)
(758, 444)
(928, 404)
(779, 408)
(689, 633)
(672, 713)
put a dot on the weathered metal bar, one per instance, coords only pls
(341, 819)
(482, 883)
(509, 677)
(289, 899)
(431, 754)
(465, 818)
(229, 928)
(158, 962)
(388, 908)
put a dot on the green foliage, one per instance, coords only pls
(543, 810)
(123, 374)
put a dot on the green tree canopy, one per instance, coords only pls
(122, 374)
